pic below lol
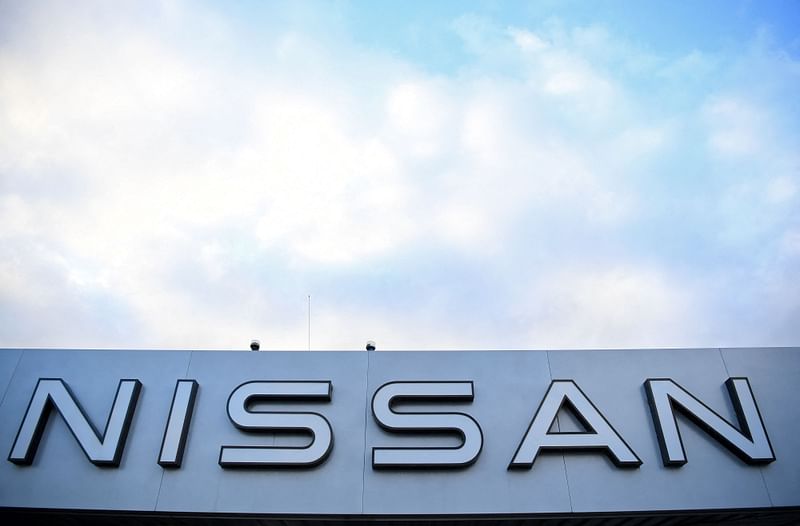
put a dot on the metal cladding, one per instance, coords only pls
(321, 434)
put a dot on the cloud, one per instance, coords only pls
(180, 176)
(632, 306)
(738, 128)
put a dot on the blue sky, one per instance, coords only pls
(437, 175)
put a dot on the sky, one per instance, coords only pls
(435, 175)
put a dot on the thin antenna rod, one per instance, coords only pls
(309, 322)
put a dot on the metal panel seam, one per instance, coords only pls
(761, 468)
(161, 480)
(558, 427)
(11, 378)
(724, 365)
(364, 443)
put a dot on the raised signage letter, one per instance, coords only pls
(426, 457)
(102, 450)
(180, 416)
(254, 421)
(751, 444)
(599, 435)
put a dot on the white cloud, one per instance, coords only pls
(612, 307)
(691, 66)
(174, 187)
(422, 114)
(781, 189)
(737, 128)
(527, 41)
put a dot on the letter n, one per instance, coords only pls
(101, 449)
(751, 444)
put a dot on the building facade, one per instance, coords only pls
(633, 436)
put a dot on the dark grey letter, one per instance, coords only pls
(102, 450)
(751, 444)
(600, 434)
(426, 457)
(180, 416)
(265, 456)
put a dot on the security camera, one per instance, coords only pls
(370, 345)
(255, 345)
